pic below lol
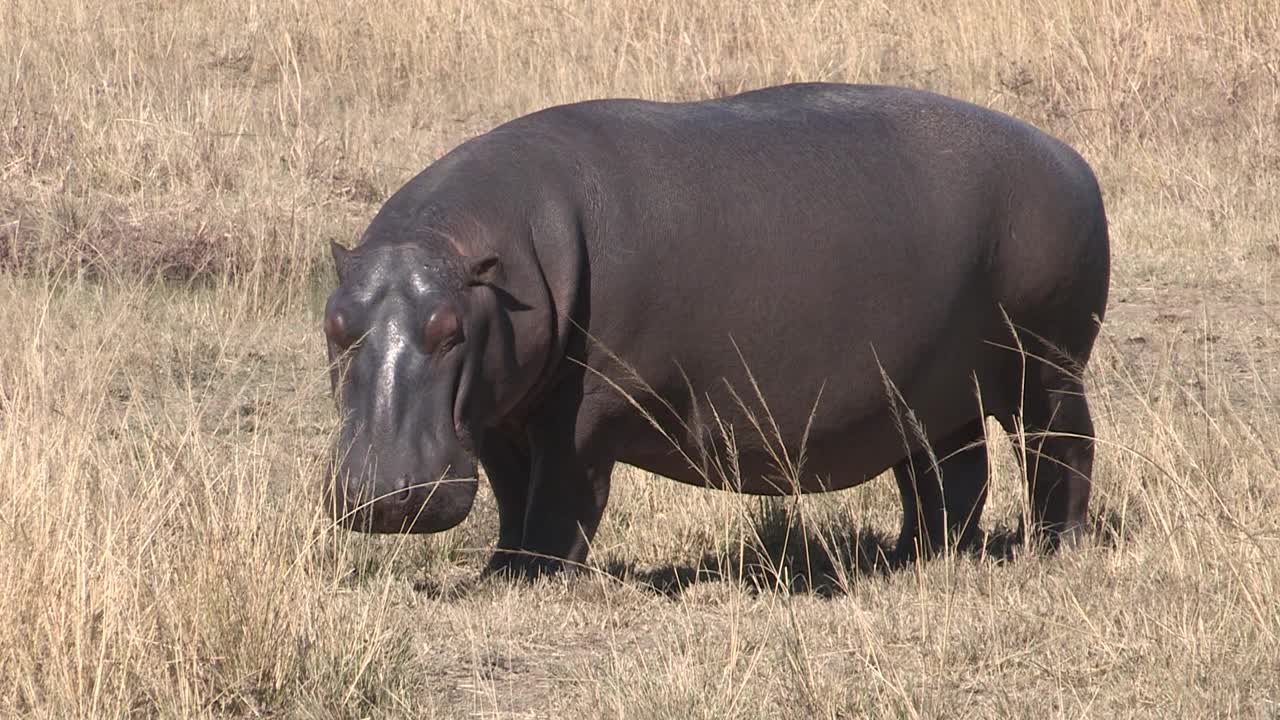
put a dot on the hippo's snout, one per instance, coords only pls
(402, 504)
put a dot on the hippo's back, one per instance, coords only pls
(834, 241)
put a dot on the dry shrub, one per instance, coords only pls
(164, 553)
(243, 134)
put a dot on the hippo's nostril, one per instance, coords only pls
(403, 490)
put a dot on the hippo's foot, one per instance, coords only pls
(1052, 538)
(1054, 446)
(521, 565)
(942, 504)
(912, 546)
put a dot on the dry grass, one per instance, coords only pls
(161, 553)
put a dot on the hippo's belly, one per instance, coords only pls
(824, 425)
(832, 462)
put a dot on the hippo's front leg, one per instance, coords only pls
(566, 503)
(563, 501)
(508, 467)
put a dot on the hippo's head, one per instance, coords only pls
(406, 329)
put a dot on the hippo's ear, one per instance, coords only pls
(340, 255)
(483, 270)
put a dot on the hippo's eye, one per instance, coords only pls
(442, 330)
(335, 326)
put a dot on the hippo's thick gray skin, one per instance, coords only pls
(864, 251)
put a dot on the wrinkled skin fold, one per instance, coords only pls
(863, 273)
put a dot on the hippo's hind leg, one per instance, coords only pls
(1054, 445)
(936, 514)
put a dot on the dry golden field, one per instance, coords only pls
(170, 175)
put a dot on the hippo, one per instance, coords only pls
(789, 290)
